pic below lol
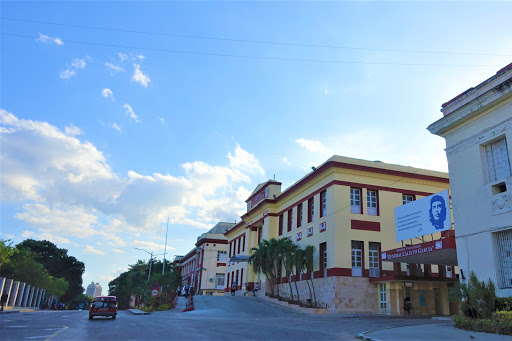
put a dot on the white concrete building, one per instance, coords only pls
(477, 126)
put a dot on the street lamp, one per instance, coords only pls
(150, 260)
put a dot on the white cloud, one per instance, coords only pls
(66, 188)
(162, 120)
(116, 127)
(107, 93)
(76, 64)
(151, 246)
(122, 57)
(141, 56)
(139, 76)
(73, 131)
(49, 40)
(45, 236)
(66, 74)
(130, 113)
(91, 250)
(311, 145)
(285, 161)
(117, 251)
(113, 68)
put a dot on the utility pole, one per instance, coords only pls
(165, 248)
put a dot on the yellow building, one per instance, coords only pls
(345, 209)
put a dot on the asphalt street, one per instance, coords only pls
(215, 318)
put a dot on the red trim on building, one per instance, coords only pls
(280, 232)
(206, 240)
(221, 264)
(365, 225)
(262, 189)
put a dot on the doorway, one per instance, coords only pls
(437, 301)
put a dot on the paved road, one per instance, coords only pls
(215, 318)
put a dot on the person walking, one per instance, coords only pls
(233, 288)
(256, 288)
(187, 288)
(4, 299)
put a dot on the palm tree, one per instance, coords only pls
(299, 260)
(309, 252)
(286, 255)
(265, 258)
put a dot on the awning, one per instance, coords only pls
(441, 252)
(239, 258)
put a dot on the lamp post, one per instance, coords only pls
(150, 260)
(165, 249)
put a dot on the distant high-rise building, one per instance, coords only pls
(93, 289)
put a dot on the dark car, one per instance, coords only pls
(103, 306)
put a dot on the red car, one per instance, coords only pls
(103, 306)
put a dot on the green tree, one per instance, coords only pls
(285, 252)
(299, 262)
(6, 252)
(478, 298)
(58, 264)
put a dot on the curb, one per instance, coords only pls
(363, 336)
(11, 311)
(137, 312)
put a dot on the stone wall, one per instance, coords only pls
(338, 294)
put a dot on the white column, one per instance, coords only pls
(21, 292)
(14, 293)
(25, 296)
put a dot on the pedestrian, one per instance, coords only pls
(187, 288)
(256, 288)
(247, 288)
(4, 299)
(233, 288)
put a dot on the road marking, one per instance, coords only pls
(56, 333)
(36, 337)
(16, 327)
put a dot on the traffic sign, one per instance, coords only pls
(154, 292)
(155, 285)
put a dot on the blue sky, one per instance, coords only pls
(148, 110)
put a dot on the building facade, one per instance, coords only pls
(93, 290)
(345, 209)
(204, 266)
(477, 127)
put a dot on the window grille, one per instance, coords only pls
(407, 199)
(371, 202)
(497, 160)
(221, 256)
(503, 254)
(382, 297)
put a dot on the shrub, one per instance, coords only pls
(504, 303)
(503, 316)
(478, 298)
(462, 322)
(164, 307)
(497, 325)
(146, 309)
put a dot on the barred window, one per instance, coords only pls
(503, 254)
(498, 164)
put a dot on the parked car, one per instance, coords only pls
(103, 306)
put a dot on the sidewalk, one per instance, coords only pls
(440, 331)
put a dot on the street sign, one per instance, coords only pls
(154, 292)
(155, 285)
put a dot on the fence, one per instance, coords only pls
(23, 295)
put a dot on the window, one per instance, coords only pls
(357, 258)
(248, 206)
(373, 259)
(323, 204)
(355, 200)
(239, 242)
(311, 210)
(323, 259)
(267, 192)
(299, 215)
(289, 228)
(382, 298)
(230, 249)
(259, 234)
(243, 243)
(228, 284)
(281, 225)
(503, 255)
(407, 198)
(371, 202)
(220, 280)
(498, 164)
(221, 256)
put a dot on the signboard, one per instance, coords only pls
(299, 236)
(155, 285)
(323, 227)
(310, 232)
(424, 216)
(154, 292)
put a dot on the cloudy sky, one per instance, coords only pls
(116, 116)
